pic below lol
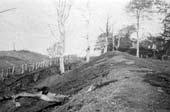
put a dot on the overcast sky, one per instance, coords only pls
(27, 26)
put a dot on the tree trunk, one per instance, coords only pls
(62, 39)
(106, 45)
(137, 46)
(118, 44)
(63, 8)
(113, 40)
(88, 50)
(62, 69)
(87, 55)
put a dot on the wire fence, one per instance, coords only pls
(28, 68)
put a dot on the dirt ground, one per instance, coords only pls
(125, 84)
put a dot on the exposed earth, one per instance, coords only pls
(122, 83)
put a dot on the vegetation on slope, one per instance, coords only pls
(10, 58)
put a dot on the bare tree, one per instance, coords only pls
(108, 28)
(113, 38)
(139, 8)
(86, 14)
(107, 32)
(63, 8)
(106, 38)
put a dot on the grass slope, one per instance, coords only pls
(9, 58)
(124, 85)
(6, 61)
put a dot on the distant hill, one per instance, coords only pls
(9, 58)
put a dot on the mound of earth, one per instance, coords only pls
(112, 82)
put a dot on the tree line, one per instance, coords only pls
(154, 45)
(108, 41)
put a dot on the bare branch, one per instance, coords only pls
(7, 10)
(52, 33)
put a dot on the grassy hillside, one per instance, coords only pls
(6, 61)
(9, 58)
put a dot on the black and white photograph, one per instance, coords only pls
(84, 55)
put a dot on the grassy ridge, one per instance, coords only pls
(10, 58)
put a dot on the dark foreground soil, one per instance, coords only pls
(125, 84)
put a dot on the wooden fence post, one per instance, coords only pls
(29, 68)
(7, 73)
(45, 64)
(54, 62)
(37, 66)
(33, 67)
(57, 61)
(2, 75)
(49, 63)
(40, 65)
(22, 67)
(26, 67)
(13, 70)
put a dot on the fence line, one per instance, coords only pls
(27, 68)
